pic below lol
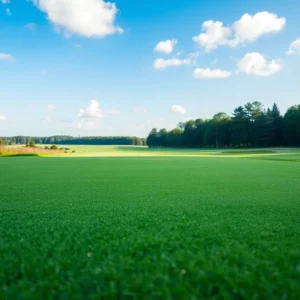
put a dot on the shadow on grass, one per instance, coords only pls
(20, 154)
(162, 149)
(132, 148)
(248, 152)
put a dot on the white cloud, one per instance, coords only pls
(51, 107)
(5, 56)
(210, 74)
(2, 117)
(247, 29)
(8, 12)
(162, 64)
(92, 111)
(5, 1)
(89, 18)
(89, 116)
(166, 47)
(256, 64)
(250, 28)
(215, 35)
(177, 109)
(294, 47)
(31, 26)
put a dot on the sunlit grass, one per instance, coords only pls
(136, 151)
(248, 151)
(26, 151)
(288, 154)
(149, 227)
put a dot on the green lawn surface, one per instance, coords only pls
(149, 227)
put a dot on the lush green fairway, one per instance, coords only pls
(140, 151)
(157, 227)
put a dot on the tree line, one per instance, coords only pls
(64, 139)
(249, 126)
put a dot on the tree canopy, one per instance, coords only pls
(249, 126)
(63, 139)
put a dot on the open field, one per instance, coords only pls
(135, 151)
(26, 151)
(157, 227)
(284, 154)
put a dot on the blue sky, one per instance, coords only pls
(85, 67)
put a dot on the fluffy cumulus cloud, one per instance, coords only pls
(215, 35)
(210, 74)
(256, 64)
(250, 28)
(3, 117)
(88, 116)
(247, 29)
(5, 1)
(89, 18)
(166, 47)
(294, 47)
(92, 111)
(162, 64)
(5, 56)
(177, 109)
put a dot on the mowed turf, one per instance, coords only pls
(161, 227)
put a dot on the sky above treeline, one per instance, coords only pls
(92, 67)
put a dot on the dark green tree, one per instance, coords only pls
(175, 138)
(163, 138)
(277, 126)
(292, 126)
(240, 127)
(153, 139)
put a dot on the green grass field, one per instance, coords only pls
(150, 227)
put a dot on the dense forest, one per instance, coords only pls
(249, 126)
(63, 139)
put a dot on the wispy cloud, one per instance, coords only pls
(2, 117)
(294, 47)
(7, 57)
(31, 27)
(162, 64)
(210, 73)
(8, 12)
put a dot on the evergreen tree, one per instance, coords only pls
(277, 126)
